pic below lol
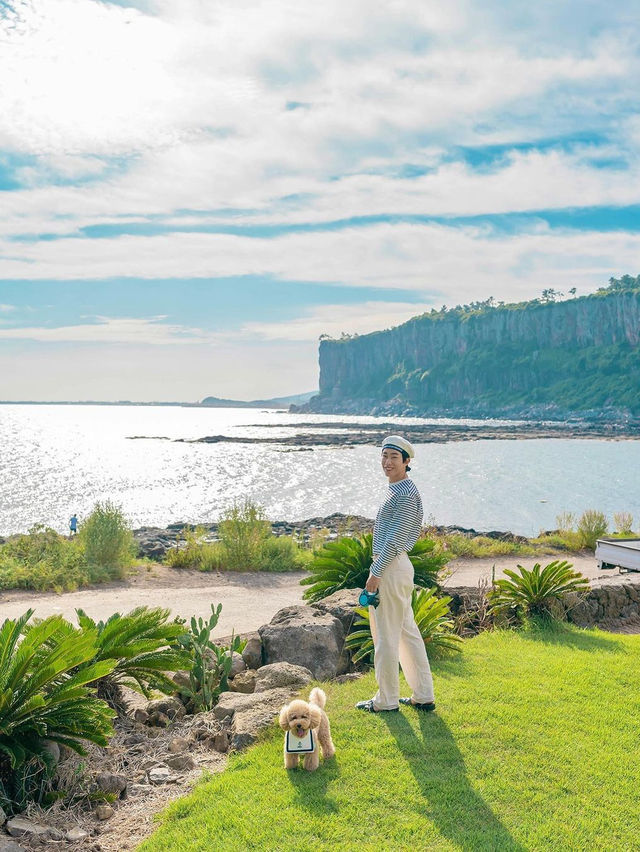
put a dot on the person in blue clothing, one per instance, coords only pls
(73, 525)
(396, 637)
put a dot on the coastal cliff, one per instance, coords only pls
(538, 358)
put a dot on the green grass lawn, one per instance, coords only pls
(534, 745)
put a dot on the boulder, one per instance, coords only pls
(272, 700)
(75, 834)
(244, 682)
(247, 725)
(110, 782)
(341, 605)
(7, 845)
(154, 542)
(277, 675)
(181, 762)
(306, 637)
(252, 653)
(222, 741)
(53, 749)
(182, 681)
(104, 812)
(237, 665)
(158, 775)
(170, 707)
(178, 744)
(32, 831)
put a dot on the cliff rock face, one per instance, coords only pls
(575, 355)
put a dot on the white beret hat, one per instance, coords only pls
(395, 442)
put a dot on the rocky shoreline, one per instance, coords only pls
(154, 542)
(400, 407)
(344, 434)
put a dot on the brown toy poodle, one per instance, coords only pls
(307, 728)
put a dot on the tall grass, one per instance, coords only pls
(243, 530)
(246, 544)
(42, 560)
(592, 526)
(623, 522)
(106, 539)
(194, 551)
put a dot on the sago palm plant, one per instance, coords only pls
(345, 563)
(139, 643)
(530, 592)
(432, 616)
(44, 695)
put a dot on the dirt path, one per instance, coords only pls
(248, 600)
(467, 572)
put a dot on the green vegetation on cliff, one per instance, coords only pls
(572, 355)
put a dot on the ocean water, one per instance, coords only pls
(60, 459)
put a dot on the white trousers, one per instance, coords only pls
(397, 639)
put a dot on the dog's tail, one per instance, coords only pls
(317, 697)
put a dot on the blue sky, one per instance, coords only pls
(192, 193)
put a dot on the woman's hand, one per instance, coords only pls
(372, 583)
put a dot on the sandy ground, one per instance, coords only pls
(468, 572)
(248, 600)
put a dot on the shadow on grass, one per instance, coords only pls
(311, 787)
(558, 633)
(452, 664)
(447, 798)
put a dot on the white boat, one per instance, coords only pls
(623, 553)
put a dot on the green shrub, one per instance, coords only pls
(566, 540)
(196, 552)
(246, 544)
(210, 663)
(592, 526)
(566, 522)
(282, 553)
(42, 560)
(531, 592)
(432, 616)
(479, 546)
(623, 522)
(44, 697)
(243, 530)
(345, 563)
(106, 539)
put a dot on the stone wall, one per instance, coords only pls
(602, 606)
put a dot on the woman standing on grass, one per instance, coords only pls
(396, 637)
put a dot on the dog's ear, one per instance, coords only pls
(284, 717)
(316, 716)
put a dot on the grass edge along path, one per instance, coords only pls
(533, 746)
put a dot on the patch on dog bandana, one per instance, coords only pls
(299, 745)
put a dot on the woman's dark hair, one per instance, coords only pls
(405, 458)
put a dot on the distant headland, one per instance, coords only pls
(550, 358)
(207, 402)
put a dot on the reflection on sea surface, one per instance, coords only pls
(55, 460)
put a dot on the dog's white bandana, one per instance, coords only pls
(299, 745)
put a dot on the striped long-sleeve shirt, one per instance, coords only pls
(397, 525)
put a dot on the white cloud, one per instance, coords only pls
(109, 330)
(172, 373)
(336, 319)
(463, 263)
(7, 308)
